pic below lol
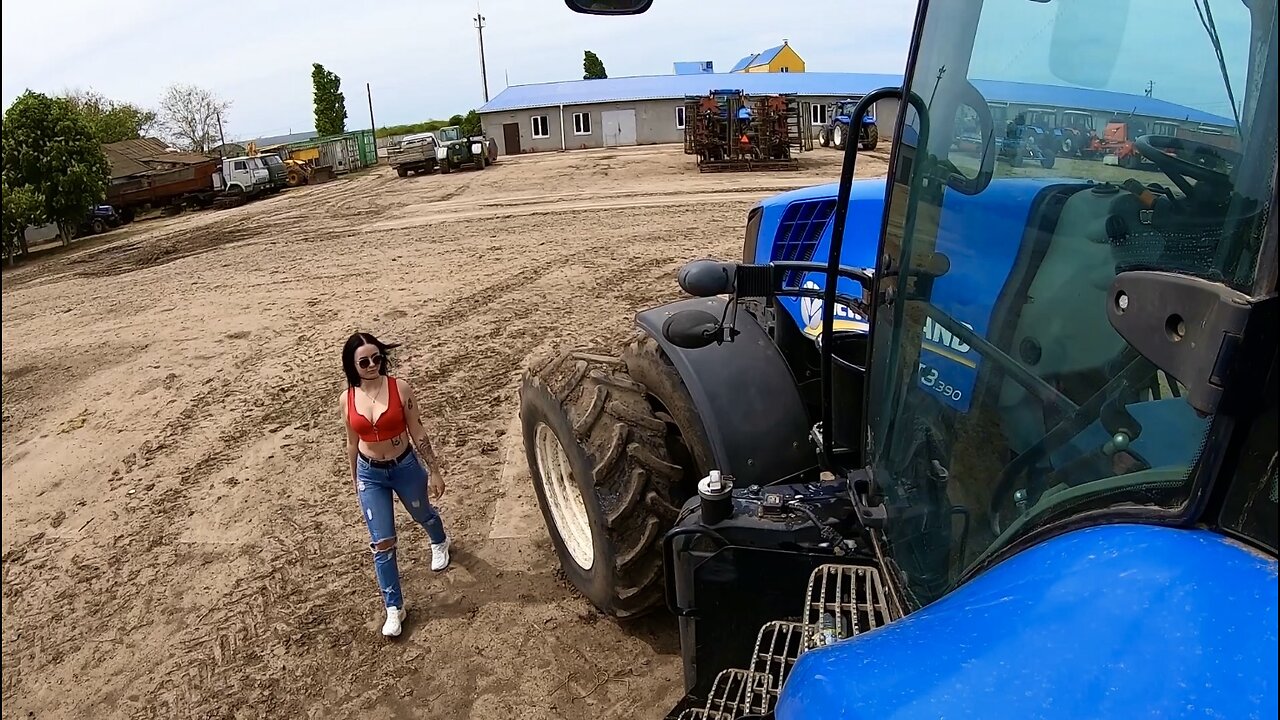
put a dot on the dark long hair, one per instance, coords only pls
(354, 343)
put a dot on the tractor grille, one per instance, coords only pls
(798, 233)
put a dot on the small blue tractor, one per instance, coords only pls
(837, 130)
(1023, 141)
(959, 442)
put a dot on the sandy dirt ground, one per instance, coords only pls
(181, 538)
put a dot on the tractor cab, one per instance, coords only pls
(980, 438)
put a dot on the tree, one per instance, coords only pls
(471, 124)
(456, 120)
(592, 67)
(111, 121)
(330, 103)
(51, 154)
(21, 209)
(190, 116)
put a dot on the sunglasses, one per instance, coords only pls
(370, 361)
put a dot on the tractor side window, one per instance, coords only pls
(240, 165)
(1001, 400)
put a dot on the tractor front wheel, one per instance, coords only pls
(837, 137)
(823, 138)
(603, 477)
(444, 167)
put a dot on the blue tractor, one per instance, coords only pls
(838, 129)
(954, 443)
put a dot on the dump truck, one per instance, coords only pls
(190, 185)
(965, 441)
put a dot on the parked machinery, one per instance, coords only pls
(728, 130)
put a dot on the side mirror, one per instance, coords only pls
(691, 329)
(609, 7)
(707, 278)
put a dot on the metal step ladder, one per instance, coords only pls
(841, 601)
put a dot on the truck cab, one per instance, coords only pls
(243, 175)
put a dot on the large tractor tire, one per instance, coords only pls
(823, 138)
(872, 139)
(686, 437)
(838, 133)
(603, 476)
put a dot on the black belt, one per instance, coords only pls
(386, 463)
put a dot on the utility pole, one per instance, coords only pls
(222, 151)
(1150, 86)
(373, 127)
(484, 76)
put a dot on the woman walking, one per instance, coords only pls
(384, 426)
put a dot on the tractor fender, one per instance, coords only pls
(744, 394)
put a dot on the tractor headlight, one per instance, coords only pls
(477, 148)
(753, 234)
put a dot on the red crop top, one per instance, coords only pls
(389, 425)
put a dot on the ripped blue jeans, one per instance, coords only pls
(375, 481)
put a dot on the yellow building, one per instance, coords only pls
(776, 59)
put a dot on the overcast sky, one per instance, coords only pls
(421, 58)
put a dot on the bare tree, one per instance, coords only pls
(189, 114)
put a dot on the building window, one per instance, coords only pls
(1165, 128)
(784, 69)
(540, 127)
(818, 114)
(680, 118)
(582, 123)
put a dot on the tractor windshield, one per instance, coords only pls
(450, 134)
(1002, 401)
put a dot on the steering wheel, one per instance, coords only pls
(1152, 147)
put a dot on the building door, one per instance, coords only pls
(618, 127)
(511, 138)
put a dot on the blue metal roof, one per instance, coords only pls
(674, 87)
(743, 64)
(767, 56)
(1100, 100)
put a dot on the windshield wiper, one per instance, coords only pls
(1206, 19)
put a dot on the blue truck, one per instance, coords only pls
(959, 442)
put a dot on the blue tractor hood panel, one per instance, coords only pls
(1120, 621)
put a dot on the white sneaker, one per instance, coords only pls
(440, 554)
(395, 616)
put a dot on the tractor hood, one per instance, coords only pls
(1119, 621)
(797, 225)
